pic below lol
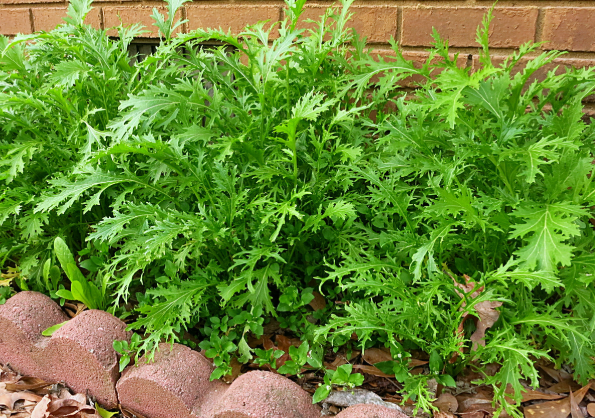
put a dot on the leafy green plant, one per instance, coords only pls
(127, 350)
(267, 357)
(211, 189)
(343, 376)
(81, 289)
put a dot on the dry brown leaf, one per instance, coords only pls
(574, 409)
(338, 361)
(564, 381)
(555, 409)
(413, 362)
(534, 395)
(488, 315)
(41, 408)
(236, 369)
(486, 311)
(70, 408)
(441, 414)
(73, 309)
(267, 343)
(7, 375)
(565, 386)
(591, 409)
(447, 403)
(374, 371)
(8, 399)
(319, 302)
(480, 401)
(27, 383)
(376, 355)
(531, 395)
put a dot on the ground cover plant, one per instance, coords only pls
(287, 183)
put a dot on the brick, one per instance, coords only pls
(14, 21)
(376, 23)
(370, 411)
(112, 16)
(569, 28)
(231, 17)
(29, 1)
(511, 27)
(47, 18)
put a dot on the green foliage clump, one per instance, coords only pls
(217, 188)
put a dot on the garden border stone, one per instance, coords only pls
(175, 385)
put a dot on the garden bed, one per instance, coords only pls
(295, 203)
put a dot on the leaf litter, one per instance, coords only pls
(30, 397)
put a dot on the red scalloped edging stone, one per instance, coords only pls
(80, 353)
(370, 411)
(265, 395)
(176, 384)
(22, 320)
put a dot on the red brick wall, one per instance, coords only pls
(561, 24)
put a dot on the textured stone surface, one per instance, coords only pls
(569, 28)
(79, 354)
(114, 16)
(511, 27)
(231, 17)
(22, 320)
(370, 411)
(175, 384)
(377, 23)
(14, 21)
(47, 18)
(265, 395)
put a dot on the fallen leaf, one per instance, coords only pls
(236, 369)
(555, 409)
(565, 386)
(441, 414)
(531, 395)
(73, 309)
(574, 409)
(446, 403)
(338, 361)
(7, 375)
(488, 315)
(479, 401)
(8, 399)
(591, 409)
(41, 408)
(486, 312)
(564, 381)
(534, 395)
(318, 303)
(374, 371)
(70, 408)
(376, 355)
(413, 362)
(27, 383)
